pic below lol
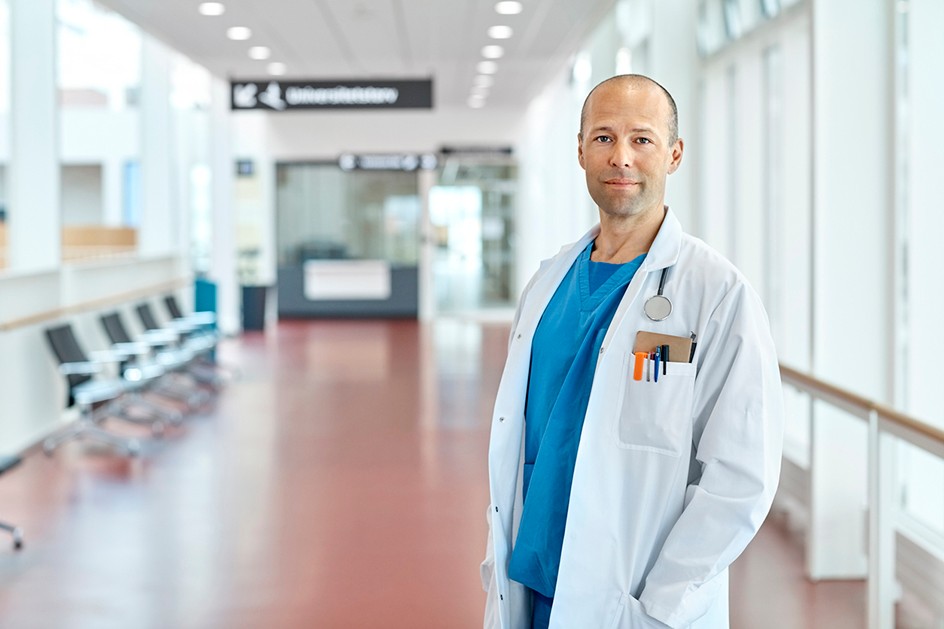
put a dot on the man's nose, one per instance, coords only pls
(621, 155)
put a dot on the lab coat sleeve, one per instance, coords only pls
(737, 441)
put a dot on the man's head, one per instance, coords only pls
(628, 143)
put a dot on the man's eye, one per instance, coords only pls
(604, 138)
(644, 140)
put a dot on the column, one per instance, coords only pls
(159, 209)
(33, 209)
(853, 334)
(223, 265)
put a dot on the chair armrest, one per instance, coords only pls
(85, 368)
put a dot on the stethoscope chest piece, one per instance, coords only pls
(658, 307)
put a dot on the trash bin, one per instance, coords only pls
(254, 307)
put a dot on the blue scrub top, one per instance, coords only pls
(563, 359)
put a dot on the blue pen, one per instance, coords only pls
(656, 366)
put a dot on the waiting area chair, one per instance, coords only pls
(175, 383)
(190, 334)
(98, 397)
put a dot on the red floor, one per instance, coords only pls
(340, 483)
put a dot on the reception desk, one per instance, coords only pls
(348, 288)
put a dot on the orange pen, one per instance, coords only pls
(640, 363)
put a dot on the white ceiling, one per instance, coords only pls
(355, 39)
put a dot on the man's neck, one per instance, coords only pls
(622, 240)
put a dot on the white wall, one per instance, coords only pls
(81, 194)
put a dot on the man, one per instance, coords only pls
(626, 470)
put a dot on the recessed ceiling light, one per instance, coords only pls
(508, 7)
(211, 8)
(487, 67)
(493, 52)
(238, 33)
(500, 32)
(276, 68)
(484, 80)
(260, 52)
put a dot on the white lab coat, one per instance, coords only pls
(672, 480)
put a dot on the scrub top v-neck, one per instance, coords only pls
(563, 359)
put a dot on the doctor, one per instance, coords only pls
(623, 484)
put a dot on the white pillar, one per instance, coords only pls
(33, 176)
(159, 211)
(852, 252)
(223, 265)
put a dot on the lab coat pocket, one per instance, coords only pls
(656, 416)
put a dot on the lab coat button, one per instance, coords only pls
(501, 419)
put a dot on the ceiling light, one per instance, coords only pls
(238, 33)
(479, 91)
(483, 80)
(260, 52)
(487, 67)
(493, 52)
(211, 8)
(508, 7)
(276, 68)
(500, 32)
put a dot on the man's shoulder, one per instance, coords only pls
(708, 267)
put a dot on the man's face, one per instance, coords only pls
(624, 148)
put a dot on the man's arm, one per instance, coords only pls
(738, 435)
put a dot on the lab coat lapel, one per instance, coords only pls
(663, 253)
(545, 286)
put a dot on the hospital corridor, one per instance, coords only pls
(446, 314)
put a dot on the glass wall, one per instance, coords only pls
(99, 81)
(920, 136)
(472, 219)
(328, 213)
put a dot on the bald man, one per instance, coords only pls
(637, 430)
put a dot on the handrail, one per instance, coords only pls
(93, 304)
(815, 385)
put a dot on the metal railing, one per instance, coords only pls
(885, 424)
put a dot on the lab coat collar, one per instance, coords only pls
(665, 249)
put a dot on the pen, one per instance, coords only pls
(665, 359)
(658, 350)
(649, 367)
(691, 356)
(637, 368)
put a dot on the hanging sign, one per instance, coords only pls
(306, 95)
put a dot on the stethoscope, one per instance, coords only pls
(658, 307)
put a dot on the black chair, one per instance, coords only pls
(174, 361)
(8, 463)
(96, 397)
(190, 335)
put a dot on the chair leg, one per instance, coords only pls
(16, 532)
(86, 428)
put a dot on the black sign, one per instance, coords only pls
(291, 95)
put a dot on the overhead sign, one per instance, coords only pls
(298, 95)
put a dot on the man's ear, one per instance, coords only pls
(580, 151)
(677, 151)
